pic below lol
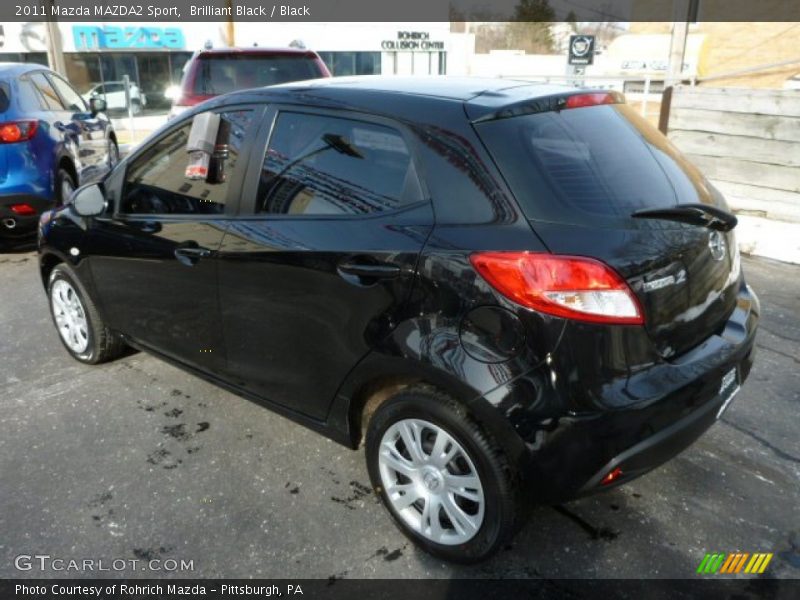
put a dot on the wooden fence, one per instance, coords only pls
(747, 142)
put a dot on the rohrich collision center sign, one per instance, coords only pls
(413, 40)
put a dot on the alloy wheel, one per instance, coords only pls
(431, 482)
(70, 316)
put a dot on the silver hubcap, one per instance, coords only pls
(70, 316)
(431, 482)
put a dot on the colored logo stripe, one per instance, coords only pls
(758, 564)
(722, 563)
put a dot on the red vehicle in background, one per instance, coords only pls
(217, 71)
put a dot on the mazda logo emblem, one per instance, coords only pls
(716, 245)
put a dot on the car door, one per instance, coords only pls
(317, 267)
(90, 130)
(115, 95)
(154, 258)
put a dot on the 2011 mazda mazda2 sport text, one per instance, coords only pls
(507, 292)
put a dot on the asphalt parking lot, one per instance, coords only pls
(137, 459)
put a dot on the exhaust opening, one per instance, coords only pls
(10, 223)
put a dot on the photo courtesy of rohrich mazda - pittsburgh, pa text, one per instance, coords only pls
(502, 293)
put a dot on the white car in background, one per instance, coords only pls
(113, 92)
(793, 83)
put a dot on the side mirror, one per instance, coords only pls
(97, 105)
(88, 201)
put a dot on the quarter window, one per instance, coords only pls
(28, 97)
(48, 93)
(71, 98)
(320, 165)
(155, 182)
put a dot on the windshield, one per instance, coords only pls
(227, 73)
(591, 166)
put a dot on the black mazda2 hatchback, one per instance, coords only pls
(507, 293)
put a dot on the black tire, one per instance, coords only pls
(62, 177)
(502, 510)
(103, 345)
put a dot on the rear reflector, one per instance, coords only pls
(592, 99)
(23, 210)
(572, 287)
(17, 131)
(611, 477)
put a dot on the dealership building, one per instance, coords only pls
(153, 54)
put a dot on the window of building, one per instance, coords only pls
(352, 63)
(39, 58)
(155, 182)
(47, 92)
(320, 165)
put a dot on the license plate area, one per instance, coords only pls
(728, 388)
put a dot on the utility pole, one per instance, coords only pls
(230, 31)
(55, 49)
(683, 11)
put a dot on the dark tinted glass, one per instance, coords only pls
(5, 96)
(155, 182)
(226, 73)
(592, 165)
(46, 91)
(329, 166)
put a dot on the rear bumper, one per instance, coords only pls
(578, 450)
(14, 226)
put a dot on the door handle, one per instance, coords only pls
(190, 255)
(368, 271)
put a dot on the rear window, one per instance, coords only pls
(5, 96)
(227, 73)
(591, 165)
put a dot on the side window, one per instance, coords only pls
(28, 96)
(47, 92)
(320, 165)
(71, 98)
(155, 181)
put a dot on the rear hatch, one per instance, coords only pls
(581, 169)
(215, 73)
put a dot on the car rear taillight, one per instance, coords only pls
(592, 99)
(23, 210)
(12, 132)
(572, 287)
(192, 99)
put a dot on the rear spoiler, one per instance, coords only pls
(555, 102)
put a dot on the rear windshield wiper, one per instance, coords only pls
(694, 214)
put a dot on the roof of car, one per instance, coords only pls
(254, 50)
(10, 68)
(479, 95)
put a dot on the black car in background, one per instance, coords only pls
(506, 292)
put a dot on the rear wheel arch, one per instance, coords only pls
(66, 163)
(47, 263)
(378, 379)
